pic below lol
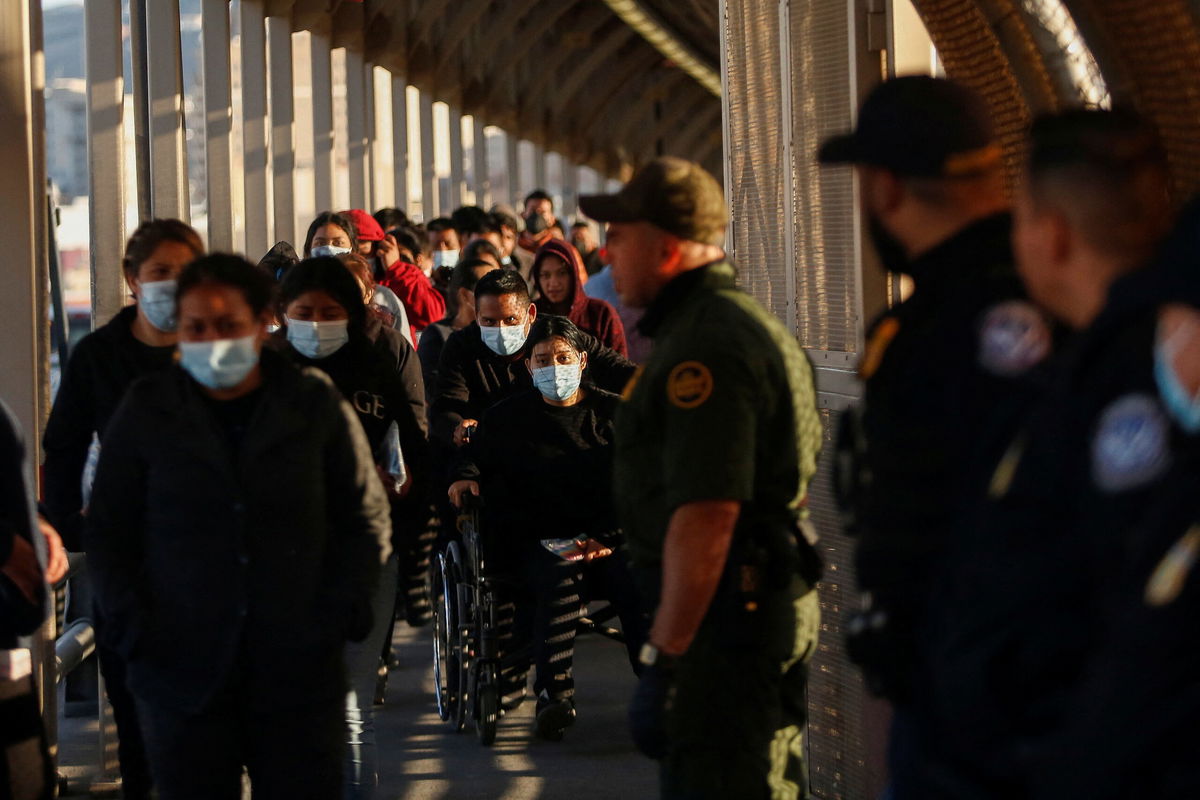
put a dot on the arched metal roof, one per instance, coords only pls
(570, 75)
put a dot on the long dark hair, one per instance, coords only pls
(325, 274)
(153, 232)
(331, 218)
(236, 272)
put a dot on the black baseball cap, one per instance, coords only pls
(919, 126)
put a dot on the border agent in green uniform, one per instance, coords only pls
(715, 445)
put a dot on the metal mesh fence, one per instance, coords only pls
(788, 86)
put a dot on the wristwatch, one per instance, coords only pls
(651, 656)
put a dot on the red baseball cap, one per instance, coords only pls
(366, 229)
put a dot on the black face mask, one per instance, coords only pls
(891, 253)
(535, 224)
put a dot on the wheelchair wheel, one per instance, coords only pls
(458, 662)
(445, 635)
(487, 699)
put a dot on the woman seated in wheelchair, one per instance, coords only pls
(542, 461)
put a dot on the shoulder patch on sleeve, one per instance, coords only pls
(1169, 577)
(633, 382)
(1130, 447)
(881, 337)
(689, 385)
(1014, 336)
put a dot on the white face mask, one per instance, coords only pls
(220, 364)
(504, 340)
(444, 258)
(157, 301)
(558, 381)
(318, 339)
(328, 250)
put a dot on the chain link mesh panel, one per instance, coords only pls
(756, 168)
(783, 203)
(823, 198)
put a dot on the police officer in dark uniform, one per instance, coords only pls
(947, 371)
(715, 445)
(1131, 727)
(1020, 602)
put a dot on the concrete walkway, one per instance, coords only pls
(421, 759)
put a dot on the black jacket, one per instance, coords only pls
(433, 341)
(545, 471)
(941, 391)
(18, 616)
(472, 378)
(100, 369)
(210, 569)
(1021, 606)
(381, 385)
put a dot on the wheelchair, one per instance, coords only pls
(467, 657)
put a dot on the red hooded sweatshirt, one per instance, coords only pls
(590, 314)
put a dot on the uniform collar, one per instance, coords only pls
(713, 277)
(987, 235)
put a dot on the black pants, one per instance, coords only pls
(136, 782)
(561, 588)
(292, 753)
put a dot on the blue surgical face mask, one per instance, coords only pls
(1183, 407)
(318, 339)
(444, 258)
(328, 250)
(504, 340)
(558, 381)
(157, 301)
(220, 364)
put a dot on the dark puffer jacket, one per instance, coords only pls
(209, 565)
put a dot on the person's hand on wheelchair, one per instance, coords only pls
(459, 489)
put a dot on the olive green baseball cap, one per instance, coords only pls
(673, 194)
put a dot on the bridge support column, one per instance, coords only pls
(168, 179)
(400, 141)
(430, 202)
(256, 197)
(457, 159)
(479, 156)
(512, 163)
(283, 137)
(356, 128)
(106, 155)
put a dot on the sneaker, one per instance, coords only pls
(554, 716)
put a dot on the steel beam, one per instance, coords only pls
(322, 119)
(283, 117)
(539, 166)
(512, 165)
(22, 205)
(479, 157)
(457, 170)
(356, 127)
(164, 83)
(570, 190)
(106, 155)
(218, 123)
(430, 202)
(400, 140)
(254, 129)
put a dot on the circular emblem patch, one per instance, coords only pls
(1131, 446)
(689, 385)
(1013, 338)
